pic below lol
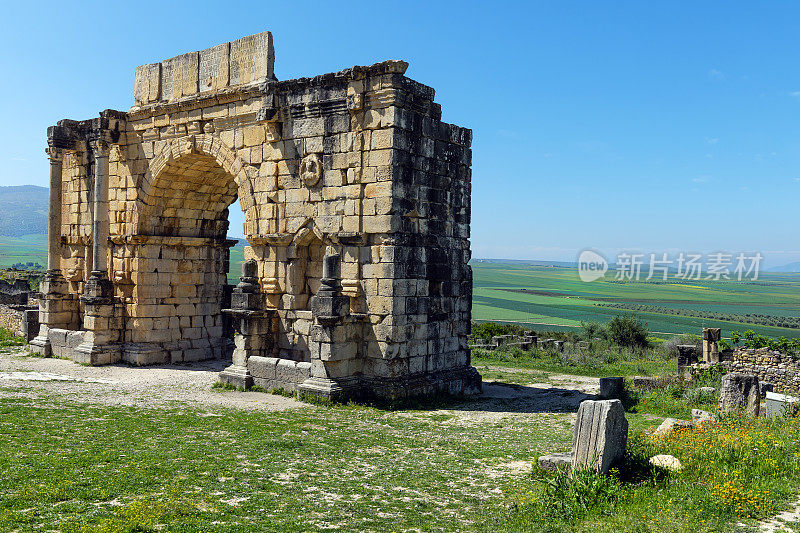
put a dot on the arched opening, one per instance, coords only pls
(188, 199)
(184, 260)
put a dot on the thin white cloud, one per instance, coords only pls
(795, 94)
(796, 179)
(715, 74)
(712, 140)
(701, 179)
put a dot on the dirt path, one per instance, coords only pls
(175, 385)
(153, 386)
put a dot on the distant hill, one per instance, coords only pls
(23, 210)
(791, 267)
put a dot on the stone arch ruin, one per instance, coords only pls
(356, 199)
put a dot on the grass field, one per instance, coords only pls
(23, 249)
(555, 298)
(75, 467)
(71, 466)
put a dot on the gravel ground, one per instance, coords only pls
(152, 386)
(171, 385)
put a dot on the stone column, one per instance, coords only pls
(53, 310)
(102, 332)
(711, 338)
(100, 211)
(56, 156)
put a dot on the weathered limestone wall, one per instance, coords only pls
(355, 164)
(782, 371)
(11, 318)
(22, 320)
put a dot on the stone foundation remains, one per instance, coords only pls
(353, 169)
(19, 308)
(777, 369)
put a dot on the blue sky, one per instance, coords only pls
(658, 127)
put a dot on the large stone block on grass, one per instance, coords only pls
(601, 436)
(612, 388)
(739, 393)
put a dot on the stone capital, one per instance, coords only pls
(56, 155)
(100, 148)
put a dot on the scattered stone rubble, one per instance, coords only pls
(355, 165)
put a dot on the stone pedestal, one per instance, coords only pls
(612, 388)
(54, 310)
(101, 338)
(739, 393)
(334, 339)
(601, 435)
(251, 324)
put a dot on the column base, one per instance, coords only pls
(238, 376)
(339, 390)
(41, 345)
(97, 354)
(142, 354)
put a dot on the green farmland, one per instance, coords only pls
(546, 297)
(27, 248)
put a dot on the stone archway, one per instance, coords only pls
(182, 252)
(356, 165)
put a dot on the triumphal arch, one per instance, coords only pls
(356, 198)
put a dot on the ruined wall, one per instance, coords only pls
(11, 318)
(782, 371)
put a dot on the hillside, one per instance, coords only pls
(791, 267)
(23, 210)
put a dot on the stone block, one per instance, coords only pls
(601, 435)
(612, 388)
(739, 393)
(556, 461)
(286, 371)
(670, 425)
(667, 462)
(262, 367)
(645, 383)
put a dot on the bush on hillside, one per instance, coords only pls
(484, 331)
(628, 331)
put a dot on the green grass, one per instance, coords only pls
(74, 467)
(605, 363)
(8, 339)
(555, 298)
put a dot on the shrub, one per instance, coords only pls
(628, 331)
(564, 498)
(486, 330)
(592, 330)
(670, 346)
